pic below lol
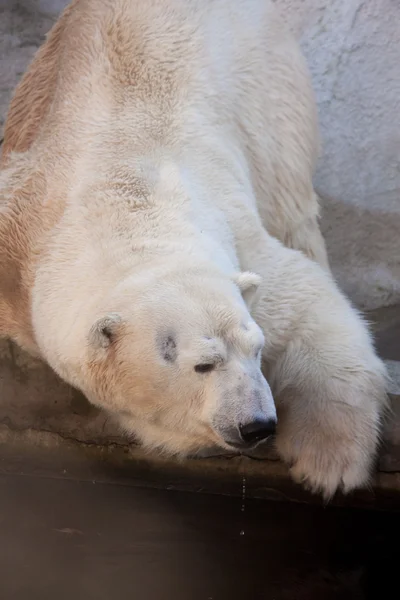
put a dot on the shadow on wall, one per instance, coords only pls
(51, 8)
(364, 249)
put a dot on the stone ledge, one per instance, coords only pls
(45, 424)
(33, 453)
(33, 397)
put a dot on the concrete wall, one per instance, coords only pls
(353, 50)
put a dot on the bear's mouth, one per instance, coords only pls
(243, 448)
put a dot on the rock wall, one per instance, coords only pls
(353, 51)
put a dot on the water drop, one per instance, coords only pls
(243, 494)
(243, 506)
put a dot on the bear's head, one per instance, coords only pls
(177, 359)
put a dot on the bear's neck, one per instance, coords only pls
(153, 209)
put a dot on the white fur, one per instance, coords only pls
(179, 151)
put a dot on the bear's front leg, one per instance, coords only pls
(328, 383)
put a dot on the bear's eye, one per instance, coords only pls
(205, 368)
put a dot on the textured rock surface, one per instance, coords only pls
(352, 48)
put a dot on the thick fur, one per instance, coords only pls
(156, 156)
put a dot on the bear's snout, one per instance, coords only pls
(247, 414)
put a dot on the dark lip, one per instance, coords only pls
(242, 447)
(246, 447)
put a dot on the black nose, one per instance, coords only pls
(257, 430)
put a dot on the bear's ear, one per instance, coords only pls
(104, 331)
(248, 283)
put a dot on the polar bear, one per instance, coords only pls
(159, 238)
